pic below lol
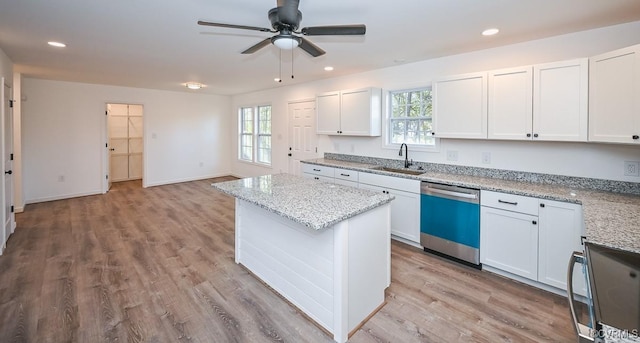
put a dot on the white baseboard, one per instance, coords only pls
(188, 179)
(62, 197)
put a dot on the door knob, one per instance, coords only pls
(112, 149)
(8, 172)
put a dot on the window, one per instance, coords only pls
(410, 119)
(255, 131)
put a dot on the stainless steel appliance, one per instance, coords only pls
(614, 294)
(450, 221)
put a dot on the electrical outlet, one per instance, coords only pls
(452, 155)
(631, 168)
(486, 157)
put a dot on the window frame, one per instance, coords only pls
(256, 132)
(387, 126)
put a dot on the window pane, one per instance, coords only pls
(398, 104)
(246, 120)
(264, 120)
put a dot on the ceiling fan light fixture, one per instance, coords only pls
(328, 68)
(194, 85)
(286, 42)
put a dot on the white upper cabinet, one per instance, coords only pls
(328, 112)
(614, 96)
(510, 103)
(560, 101)
(350, 112)
(460, 106)
(540, 102)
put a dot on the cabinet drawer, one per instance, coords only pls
(509, 202)
(317, 170)
(402, 184)
(345, 174)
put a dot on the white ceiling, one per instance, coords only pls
(157, 43)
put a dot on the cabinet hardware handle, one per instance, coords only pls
(8, 172)
(433, 133)
(528, 135)
(534, 222)
(635, 137)
(317, 178)
(314, 169)
(535, 135)
(541, 205)
(514, 203)
(345, 174)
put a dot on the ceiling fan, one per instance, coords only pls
(285, 20)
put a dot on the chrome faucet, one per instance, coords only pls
(406, 155)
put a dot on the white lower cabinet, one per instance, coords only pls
(560, 230)
(405, 209)
(509, 241)
(534, 242)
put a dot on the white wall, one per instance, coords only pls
(6, 68)
(63, 134)
(574, 159)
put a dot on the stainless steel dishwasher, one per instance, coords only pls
(450, 221)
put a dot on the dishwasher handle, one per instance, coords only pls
(583, 331)
(453, 194)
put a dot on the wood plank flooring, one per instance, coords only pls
(157, 265)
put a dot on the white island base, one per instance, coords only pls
(336, 276)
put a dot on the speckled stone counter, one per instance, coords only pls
(314, 204)
(611, 219)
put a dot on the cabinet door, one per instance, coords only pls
(356, 111)
(460, 106)
(561, 226)
(510, 104)
(405, 213)
(509, 241)
(328, 113)
(614, 96)
(560, 101)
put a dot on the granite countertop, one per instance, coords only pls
(314, 204)
(611, 219)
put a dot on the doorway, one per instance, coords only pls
(303, 140)
(125, 142)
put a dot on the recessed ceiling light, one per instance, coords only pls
(57, 44)
(328, 68)
(194, 85)
(277, 79)
(490, 32)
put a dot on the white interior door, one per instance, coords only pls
(125, 128)
(303, 140)
(7, 161)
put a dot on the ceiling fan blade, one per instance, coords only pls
(288, 12)
(258, 46)
(337, 30)
(310, 48)
(231, 26)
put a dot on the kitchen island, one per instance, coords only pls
(323, 247)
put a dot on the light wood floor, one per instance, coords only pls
(156, 265)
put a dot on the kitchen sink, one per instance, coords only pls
(401, 171)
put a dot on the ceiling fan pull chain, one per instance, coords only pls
(291, 63)
(280, 68)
